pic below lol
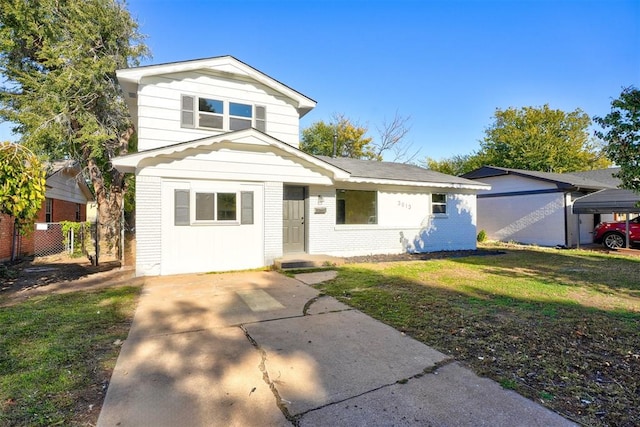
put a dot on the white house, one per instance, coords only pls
(221, 184)
(536, 207)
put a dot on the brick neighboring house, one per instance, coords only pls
(65, 200)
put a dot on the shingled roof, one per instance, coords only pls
(375, 170)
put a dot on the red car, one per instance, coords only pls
(612, 234)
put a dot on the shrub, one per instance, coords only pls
(482, 236)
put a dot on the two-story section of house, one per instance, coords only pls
(221, 184)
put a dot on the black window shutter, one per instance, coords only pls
(181, 207)
(246, 207)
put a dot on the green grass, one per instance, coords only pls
(53, 350)
(547, 323)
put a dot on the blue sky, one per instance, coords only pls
(446, 64)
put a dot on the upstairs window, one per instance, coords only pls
(210, 113)
(438, 204)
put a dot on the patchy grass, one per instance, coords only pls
(559, 326)
(57, 353)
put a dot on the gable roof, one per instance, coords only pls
(227, 65)
(565, 181)
(250, 137)
(339, 169)
(373, 171)
(71, 168)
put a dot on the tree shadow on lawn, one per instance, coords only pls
(576, 359)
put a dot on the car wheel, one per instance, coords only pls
(613, 240)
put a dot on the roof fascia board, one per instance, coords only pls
(403, 183)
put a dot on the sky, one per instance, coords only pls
(446, 65)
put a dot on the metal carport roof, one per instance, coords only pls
(608, 201)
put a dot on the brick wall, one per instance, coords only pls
(62, 211)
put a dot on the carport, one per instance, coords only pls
(609, 200)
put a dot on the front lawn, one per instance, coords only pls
(561, 327)
(57, 353)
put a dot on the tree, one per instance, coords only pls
(318, 139)
(59, 60)
(22, 182)
(622, 136)
(392, 137)
(456, 165)
(541, 139)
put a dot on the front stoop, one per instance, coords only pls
(302, 261)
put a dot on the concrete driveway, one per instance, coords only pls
(262, 349)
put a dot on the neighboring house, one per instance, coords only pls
(221, 184)
(66, 198)
(536, 207)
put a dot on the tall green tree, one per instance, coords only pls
(59, 58)
(621, 133)
(350, 138)
(541, 139)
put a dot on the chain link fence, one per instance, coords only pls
(74, 239)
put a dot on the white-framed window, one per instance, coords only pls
(356, 207)
(212, 113)
(439, 204)
(209, 207)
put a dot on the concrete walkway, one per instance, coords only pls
(262, 349)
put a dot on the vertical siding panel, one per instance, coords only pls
(148, 225)
(273, 193)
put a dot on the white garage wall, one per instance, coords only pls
(532, 218)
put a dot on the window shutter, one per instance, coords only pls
(181, 207)
(246, 207)
(261, 118)
(187, 114)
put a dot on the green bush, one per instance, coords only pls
(482, 236)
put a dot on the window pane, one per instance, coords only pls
(439, 203)
(242, 110)
(210, 121)
(205, 207)
(226, 206)
(239, 124)
(356, 207)
(211, 105)
(439, 198)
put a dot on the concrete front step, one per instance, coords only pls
(302, 261)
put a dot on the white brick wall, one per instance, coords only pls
(148, 225)
(272, 221)
(454, 231)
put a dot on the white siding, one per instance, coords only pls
(211, 247)
(405, 224)
(532, 218)
(240, 165)
(148, 225)
(273, 193)
(64, 186)
(159, 103)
